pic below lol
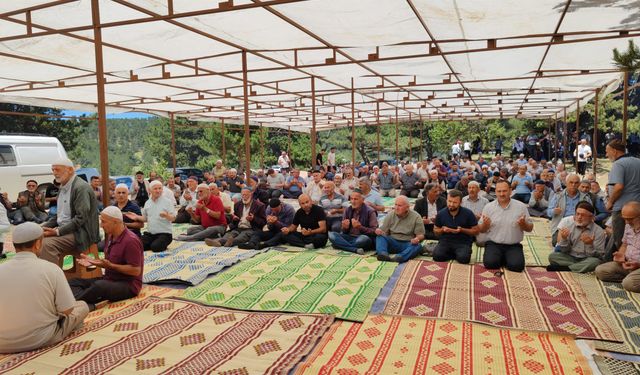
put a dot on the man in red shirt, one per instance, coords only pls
(123, 264)
(209, 214)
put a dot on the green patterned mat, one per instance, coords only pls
(9, 256)
(298, 282)
(612, 366)
(626, 309)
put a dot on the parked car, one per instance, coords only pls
(87, 173)
(185, 172)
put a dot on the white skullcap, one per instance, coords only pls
(63, 161)
(203, 186)
(113, 211)
(122, 186)
(154, 183)
(26, 232)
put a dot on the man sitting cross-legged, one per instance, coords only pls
(279, 215)
(209, 214)
(359, 223)
(581, 242)
(400, 234)
(123, 263)
(313, 224)
(456, 226)
(158, 213)
(242, 228)
(36, 305)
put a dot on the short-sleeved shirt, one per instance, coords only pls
(277, 179)
(126, 249)
(374, 197)
(295, 188)
(632, 239)
(464, 219)
(504, 227)
(386, 180)
(625, 170)
(231, 184)
(34, 292)
(403, 228)
(152, 210)
(475, 206)
(522, 187)
(131, 207)
(409, 182)
(214, 204)
(336, 202)
(310, 220)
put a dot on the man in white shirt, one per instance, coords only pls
(583, 153)
(284, 162)
(331, 160)
(314, 187)
(474, 201)
(188, 201)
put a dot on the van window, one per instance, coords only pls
(7, 157)
(30, 155)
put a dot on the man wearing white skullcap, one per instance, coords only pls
(37, 307)
(75, 225)
(123, 263)
(159, 213)
(123, 202)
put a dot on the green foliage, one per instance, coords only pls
(629, 60)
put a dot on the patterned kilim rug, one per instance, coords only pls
(386, 344)
(297, 282)
(191, 262)
(626, 309)
(612, 366)
(532, 300)
(179, 337)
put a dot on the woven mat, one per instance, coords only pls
(612, 366)
(179, 337)
(386, 344)
(626, 309)
(534, 300)
(191, 262)
(298, 282)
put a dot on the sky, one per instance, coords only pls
(109, 116)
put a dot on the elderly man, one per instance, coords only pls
(401, 233)
(175, 189)
(625, 266)
(623, 186)
(564, 204)
(522, 183)
(123, 264)
(428, 208)
(32, 208)
(333, 205)
(241, 229)
(539, 201)
(294, 185)
(581, 243)
(38, 308)
(504, 221)
(187, 201)
(227, 203)
(209, 216)
(372, 198)
(410, 182)
(233, 184)
(387, 180)
(275, 183)
(279, 215)
(349, 182)
(312, 221)
(600, 212)
(219, 170)
(140, 189)
(314, 186)
(455, 227)
(75, 226)
(474, 201)
(158, 213)
(358, 225)
(125, 205)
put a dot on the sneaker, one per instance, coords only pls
(212, 242)
(383, 257)
(246, 246)
(395, 258)
(309, 246)
(261, 245)
(360, 251)
(229, 243)
(92, 306)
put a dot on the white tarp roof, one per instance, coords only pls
(429, 59)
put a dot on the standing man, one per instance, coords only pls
(456, 227)
(504, 221)
(400, 234)
(331, 160)
(623, 186)
(122, 264)
(313, 223)
(208, 216)
(158, 213)
(38, 308)
(75, 226)
(358, 226)
(583, 153)
(284, 162)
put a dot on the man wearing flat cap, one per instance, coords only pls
(75, 225)
(37, 307)
(122, 264)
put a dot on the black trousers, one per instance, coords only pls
(582, 167)
(297, 239)
(98, 289)
(156, 242)
(445, 251)
(497, 255)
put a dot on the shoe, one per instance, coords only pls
(92, 306)
(360, 251)
(383, 257)
(395, 258)
(246, 246)
(229, 243)
(212, 242)
(427, 249)
(3, 256)
(261, 245)
(558, 268)
(309, 246)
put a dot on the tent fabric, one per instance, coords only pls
(410, 59)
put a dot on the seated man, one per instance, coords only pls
(601, 213)
(581, 243)
(456, 227)
(125, 205)
(504, 221)
(539, 201)
(358, 225)
(474, 201)
(563, 204)
(400, 234)
(75, 226)
(386, 181)
(227, 203)
(209, 214)
(372, 198)
(38, 308)
(294, 185)
(333, 205)
(410, 182)
(242, 228)
(233, 184)
(314, 186)
(625, 266)
(188, 201)
(32, 206)
(158, 213)
(275, 183)
(123, 264)
(313, 224)
(279, 215)
(428, 208)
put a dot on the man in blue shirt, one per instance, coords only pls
(456, 227)
(522, 184)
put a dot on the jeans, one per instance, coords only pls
(405, 249)
(524, 198)
(350, 242)
(334, 223)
